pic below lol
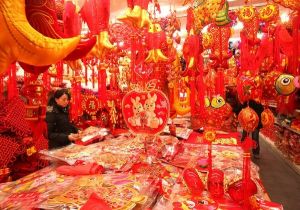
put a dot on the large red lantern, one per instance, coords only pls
(248, 119)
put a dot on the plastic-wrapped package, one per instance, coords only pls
(119, 191)
(69, 154)
(30, 191)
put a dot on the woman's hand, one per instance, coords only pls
(73, 137)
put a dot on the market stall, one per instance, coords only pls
(154, 95)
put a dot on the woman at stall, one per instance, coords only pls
(61, 131)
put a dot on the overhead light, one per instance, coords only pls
(238, 26)
(284, 17)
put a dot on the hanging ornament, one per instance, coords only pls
(285, 84)
(155, 39)
(248, 119)
(269, 12)
(267, 118)
(146, 112)
(90, 104)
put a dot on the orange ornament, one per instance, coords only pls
(248, 119)
(267, 118)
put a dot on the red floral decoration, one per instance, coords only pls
(248, 119)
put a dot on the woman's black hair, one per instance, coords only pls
(57, 94)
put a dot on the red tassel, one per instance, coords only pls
(193, 92)
(201, 88)
(190, 19)
(220, 87)
(294, 69)
(12, 82)
(1, 88)
(102, 84)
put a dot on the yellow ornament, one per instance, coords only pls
(21, 42)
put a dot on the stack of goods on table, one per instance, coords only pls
(139, 172)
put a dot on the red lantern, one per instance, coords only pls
(267, 118)
(248, 119)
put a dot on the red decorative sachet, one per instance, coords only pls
(88, 169)
(193, 181)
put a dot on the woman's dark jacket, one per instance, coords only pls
(59, 126)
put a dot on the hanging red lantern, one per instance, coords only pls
(248, 119)
(267, 118)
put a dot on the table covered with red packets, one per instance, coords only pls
(140, 172)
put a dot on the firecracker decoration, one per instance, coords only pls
(113, 113)
(90, 104)
(146, 111)
(248, 119)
